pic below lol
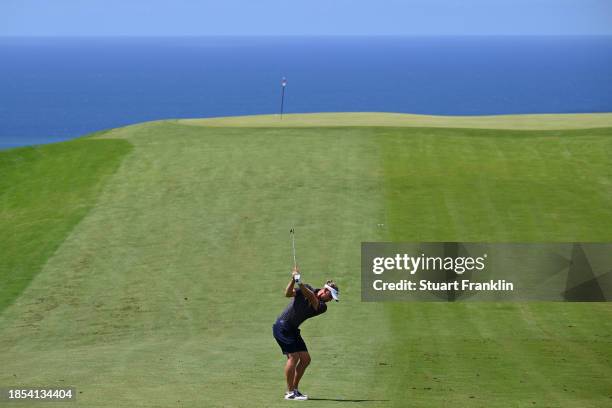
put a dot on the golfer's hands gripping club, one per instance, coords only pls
(296, 275)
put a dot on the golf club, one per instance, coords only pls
(292, 232)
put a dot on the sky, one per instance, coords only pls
(304, 17)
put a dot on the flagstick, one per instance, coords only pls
(283, 85)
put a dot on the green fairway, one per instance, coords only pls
(166, 254)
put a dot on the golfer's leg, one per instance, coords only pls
(300, 368)
(292, 360)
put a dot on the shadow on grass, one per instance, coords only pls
(346, 400)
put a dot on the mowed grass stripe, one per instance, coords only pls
(44, 192)
(472, 185)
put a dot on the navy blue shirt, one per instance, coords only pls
(299, 309)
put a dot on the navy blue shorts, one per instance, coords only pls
(289, 339)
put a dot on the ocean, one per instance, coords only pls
(54, 89)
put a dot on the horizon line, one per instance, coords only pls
(287, 35)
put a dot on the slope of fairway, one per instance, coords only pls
(525, 122)
(44, 192)
(165, 293)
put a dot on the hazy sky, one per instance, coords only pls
(312, 17)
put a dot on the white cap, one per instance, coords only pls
(334, 292)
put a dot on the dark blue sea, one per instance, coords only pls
(54, 89)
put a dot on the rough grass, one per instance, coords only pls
(164, 294)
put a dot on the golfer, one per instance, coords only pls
(307, 302)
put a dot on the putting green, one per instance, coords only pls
(165, 292)
(524, 122)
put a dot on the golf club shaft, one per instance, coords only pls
(293, 247)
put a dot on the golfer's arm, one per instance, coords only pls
(289, 292)
(310, 296)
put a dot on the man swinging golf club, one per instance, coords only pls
(306, 302)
